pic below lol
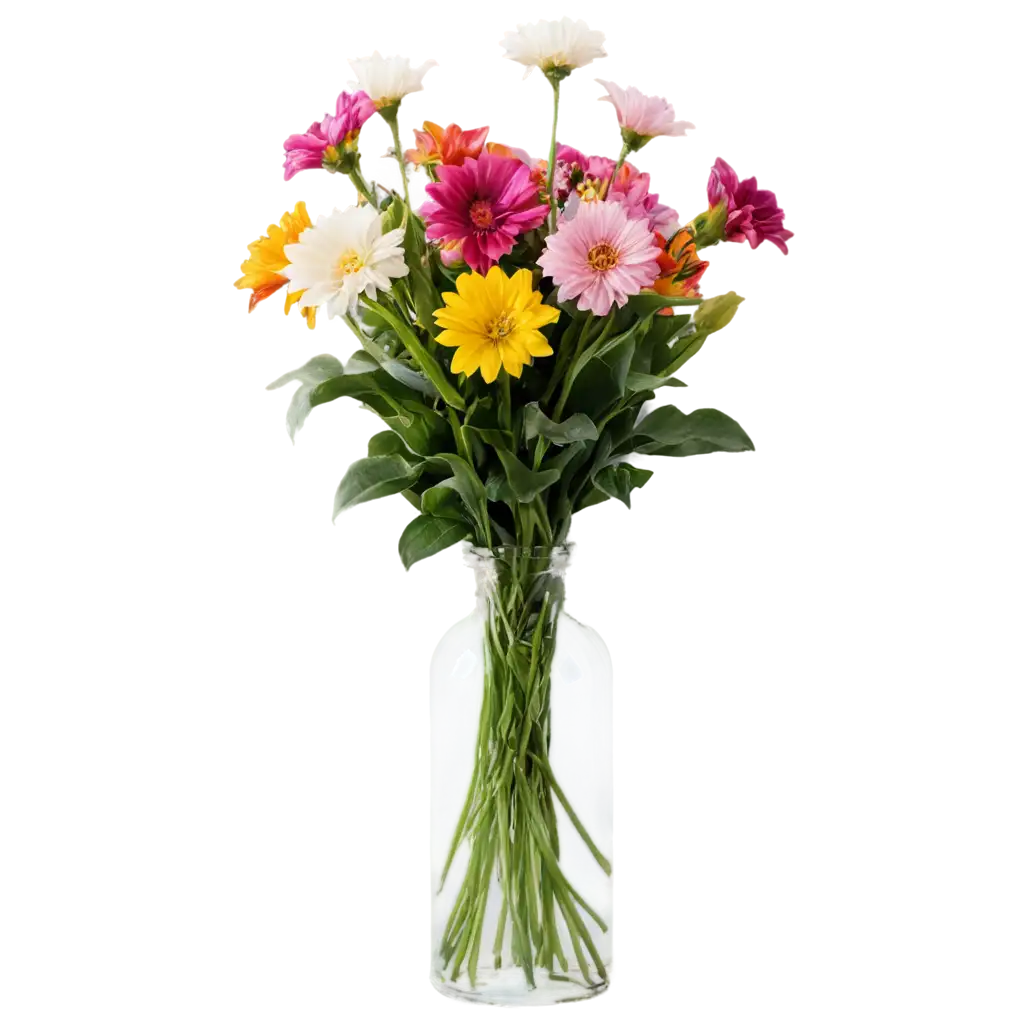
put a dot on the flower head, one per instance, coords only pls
(344, 255)
(642, 118)
(753, 213)
(264, 270)
(451, 145)
(485, 204)
(325, 143)
(388, 80)
(494, 321)
(302, 151)
(680, 269)
(556, 47)
(601, 257)
(632, 188)
(348, 112)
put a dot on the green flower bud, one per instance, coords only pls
(714, 314)
(709, 227)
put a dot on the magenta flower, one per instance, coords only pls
(485, 205)
(349, 112)
(326, 141)
(302, 151)
(644, 117)
(601, 257)
(754, 213)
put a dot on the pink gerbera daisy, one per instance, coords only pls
(601, 257)
(484, 205)
(643, 117)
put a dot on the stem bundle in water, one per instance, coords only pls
(509, 820)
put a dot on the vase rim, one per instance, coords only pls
(555, 556)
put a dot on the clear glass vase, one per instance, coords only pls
(521, 787)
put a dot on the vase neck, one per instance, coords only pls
(519, 575)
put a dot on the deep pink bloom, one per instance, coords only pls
(601, 257)
(340, 130)
(754, 213)
(348, 112)
(485, 204)
(302, 151)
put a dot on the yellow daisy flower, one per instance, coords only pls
(494, 321)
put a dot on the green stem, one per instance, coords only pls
(626, 149)
(552, 155)
(392, 120)
(581, 344)
(427, 363)
(357, 179)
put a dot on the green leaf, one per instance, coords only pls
(668, 425)
(426, 536)
(423, 430)
(374, 477)
(465, 482)
(592, 497)
(525, 483)
(387, 442)
(647, 303)
(618, 481)
(317, 370)
(650, 382)
(601, 381)
(576, 428)
(444, 501)
(560, 460)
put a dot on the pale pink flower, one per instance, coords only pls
(646, 117)
(601, 257)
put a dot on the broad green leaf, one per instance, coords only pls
(423, 430)
(647, 303)
(444, 501)
(317, 370)
(361, 362)
(619, 480)
(465, 482)
(426, 535)
(374, 477)
(591, 497)
(576, 428)
(525, 483)
(387, 442)
(602, 380)
(561, 459)
(410, 377)
(649, 382)
(668, 425)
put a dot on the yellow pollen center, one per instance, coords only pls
(480, 214)
(331, 154)
(589, 189)
(350, 262)
(603, 256)
(500, 328)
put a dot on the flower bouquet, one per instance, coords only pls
(511, 334)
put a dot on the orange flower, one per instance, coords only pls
(262, 270)
(451, 145)
(681, 270)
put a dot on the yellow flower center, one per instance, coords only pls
(480, 214)
(589, 189)
(331, 154)
(350, 262)
(603, 256)
(500, 327)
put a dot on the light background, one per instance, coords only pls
(210, 801)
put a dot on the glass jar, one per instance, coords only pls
(521, 788)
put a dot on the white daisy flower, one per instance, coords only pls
(554, 46)
(344, 255)
(388, 79)
(646, 113)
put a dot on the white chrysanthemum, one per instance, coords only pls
(386, 80)
(554, 45)
(645, 112)
(342, 256)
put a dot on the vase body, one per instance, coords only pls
(521, 790)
